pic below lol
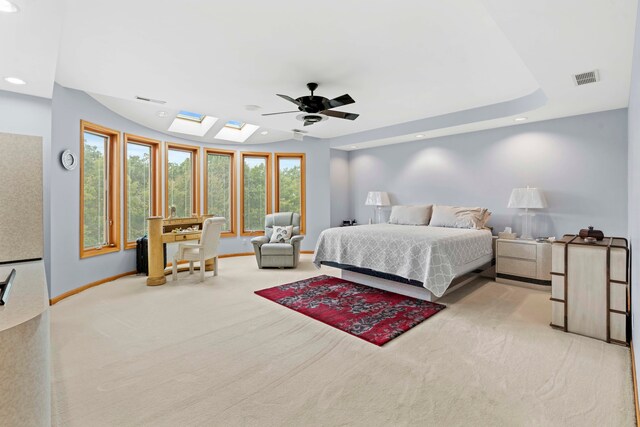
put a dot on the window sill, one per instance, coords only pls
(130, 245)
(88, 253)
(252, 233)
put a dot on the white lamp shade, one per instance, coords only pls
(531, 198)
(377, 198)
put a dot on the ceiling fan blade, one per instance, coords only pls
(307, 123)
(341, 100)
(282, 112)
(290, 99)
(340, 114)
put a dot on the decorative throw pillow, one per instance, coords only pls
(281, 234)
(458, 217)
(410, 215)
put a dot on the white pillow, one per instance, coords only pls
(281, 234)
(410, 215)
(486, 218)
(458, 217)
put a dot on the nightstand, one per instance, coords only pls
(590, 291)
(523, 262)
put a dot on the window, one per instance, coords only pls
(99, 190)
(181, 176)
(141, 186)
(290, 185)
(188, 115)
(255, 192)
(220, 187)
(192, 123)
(236, 131)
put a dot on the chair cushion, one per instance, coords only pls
(276, 249)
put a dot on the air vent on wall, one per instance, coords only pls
(156, 101)
(298, 134)
(586, 78)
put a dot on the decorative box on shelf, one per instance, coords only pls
(590, 288)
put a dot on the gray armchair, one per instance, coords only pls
(278, 254)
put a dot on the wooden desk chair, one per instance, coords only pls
(206, 249)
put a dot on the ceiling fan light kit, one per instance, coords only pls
(317, 108)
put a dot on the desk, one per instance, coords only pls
(160, 233)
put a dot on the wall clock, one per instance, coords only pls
(69, 160)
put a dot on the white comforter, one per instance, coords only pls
(422, 253)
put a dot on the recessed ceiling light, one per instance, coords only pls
(520, 119)
(7, 7)
(15, 81)
(420, 136)
(264, 132)
(162, 114)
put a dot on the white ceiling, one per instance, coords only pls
(401, 62)
(29, 42)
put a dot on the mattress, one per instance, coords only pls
(433, 256)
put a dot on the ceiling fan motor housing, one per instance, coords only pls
(313, 104)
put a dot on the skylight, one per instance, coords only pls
(188, 115)
(236, 134)
(234, 124)
(192, 126)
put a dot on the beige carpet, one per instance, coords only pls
(216, 354)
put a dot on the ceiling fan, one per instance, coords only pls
(315, 105)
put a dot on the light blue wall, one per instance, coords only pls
(580, 162)
(634, 188)
(340, 200)
(68, 270)
(30, 115)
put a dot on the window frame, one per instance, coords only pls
(303, 184)
(232, 154)
(156, 186)
(112, 166)
(195, 175)
(267, 157)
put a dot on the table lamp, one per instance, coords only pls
(527, 198)
(377, 199)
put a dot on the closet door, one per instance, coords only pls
(20, 197)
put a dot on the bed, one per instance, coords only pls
(420, 261)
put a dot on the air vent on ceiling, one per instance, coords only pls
(586, 78)
(156, 101)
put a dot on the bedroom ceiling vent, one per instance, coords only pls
(156, 101)
(586, 78)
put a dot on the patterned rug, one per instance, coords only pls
(372, 314)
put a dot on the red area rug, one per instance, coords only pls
(372, 314)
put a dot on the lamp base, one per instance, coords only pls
(526, 225)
